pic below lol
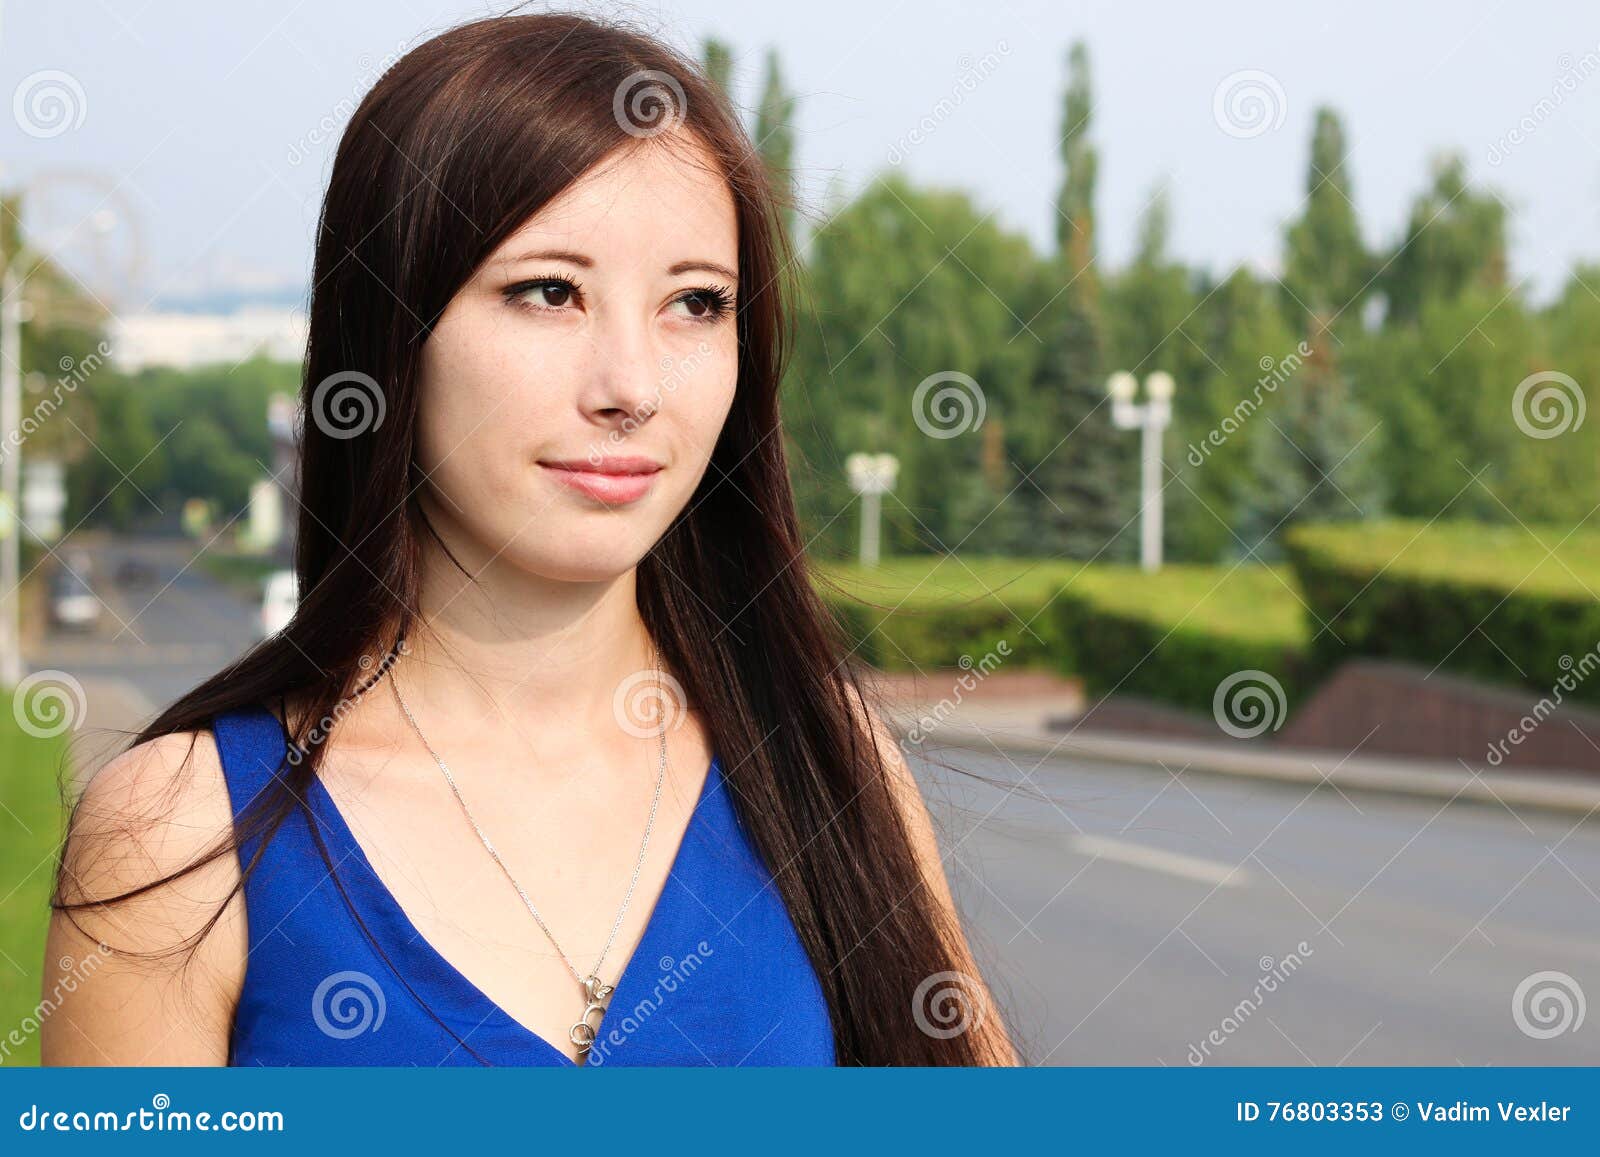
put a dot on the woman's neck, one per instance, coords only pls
(499, 643)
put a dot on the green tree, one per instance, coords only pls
(775, 138)
(1571, 330)
(1454, 240)
(1219, 409)
(717, 59)
(904, 284)
(1081, 163)
(1085, 477)
(119, 477)
(1147, 303)
(1314, 458)
(1326, 266)
(1443, 386)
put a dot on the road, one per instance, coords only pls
(1127, 914)
(162, 636)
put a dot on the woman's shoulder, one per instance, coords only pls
(147, 813)
(144, 872)
(183, 767)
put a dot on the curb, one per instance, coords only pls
(1567, 792)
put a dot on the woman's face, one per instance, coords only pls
(574, 388)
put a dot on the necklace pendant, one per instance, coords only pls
(583, 1033)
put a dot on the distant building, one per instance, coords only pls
(187, 340)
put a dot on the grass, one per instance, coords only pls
(30, 827)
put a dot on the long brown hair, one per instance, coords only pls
(459, 143)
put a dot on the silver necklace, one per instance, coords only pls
(596, 994)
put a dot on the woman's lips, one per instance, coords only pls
(604, 486)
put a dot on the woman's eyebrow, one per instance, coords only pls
(587, 262)
(703, 266)
(554, 255)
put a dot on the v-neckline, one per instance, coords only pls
(384, 900)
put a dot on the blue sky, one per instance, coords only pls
(205, 120)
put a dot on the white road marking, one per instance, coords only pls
(1156, 860)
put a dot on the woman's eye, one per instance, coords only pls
(704, 304)
(546, 293)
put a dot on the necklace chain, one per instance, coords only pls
(594, 990)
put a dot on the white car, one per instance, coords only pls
(279, 597)
(73, 603)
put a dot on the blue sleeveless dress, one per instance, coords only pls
(720, 976)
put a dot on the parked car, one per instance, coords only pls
(279, 597)
(73, 603)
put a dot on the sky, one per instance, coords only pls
(199, 135)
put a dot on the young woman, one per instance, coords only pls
(560, 760)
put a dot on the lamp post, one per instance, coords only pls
(871, 476)
(1150, 419)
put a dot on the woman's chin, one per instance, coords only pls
(585, 550)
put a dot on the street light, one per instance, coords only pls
(83, 244)
(871, 476)
(1150, 419)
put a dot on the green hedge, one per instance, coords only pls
(1175, 635)
(930, 611)
(1172, 636)
(1490, 602)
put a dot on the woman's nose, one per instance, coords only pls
(625, 378)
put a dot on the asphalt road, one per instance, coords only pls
(1130, 916)
(1127, 914)
(161, 636)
